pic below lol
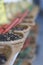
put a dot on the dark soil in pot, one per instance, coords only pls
(10, 37)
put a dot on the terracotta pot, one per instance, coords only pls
(29, 21)
(22, 28)
(16, 43)
(10, 42)
(5, 53)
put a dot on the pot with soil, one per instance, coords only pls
(15, 39)
(29, 20)
(25, 28)
(11, 38)
(5, 53)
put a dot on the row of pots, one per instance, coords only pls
(33, 34)
(17, 40)
(13, 39)
(16, 36)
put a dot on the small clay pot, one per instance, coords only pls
(12, 38)
(28, 17)
(29, 21)
(25, 28)
(5, 53)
